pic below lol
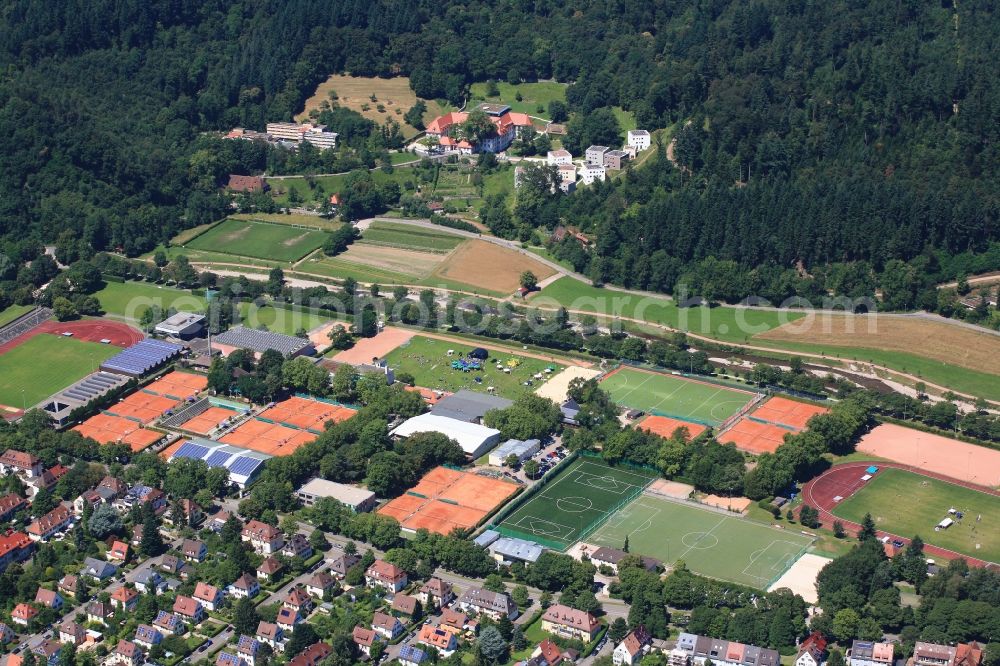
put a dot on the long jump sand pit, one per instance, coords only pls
(801, 577)
(367, 349)
(674, 489)
(557, 388)
(734, 504)
(488, 266)
(934, 453)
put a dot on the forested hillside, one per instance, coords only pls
(808, 132)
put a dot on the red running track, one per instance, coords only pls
(844, 480)
(89, 330)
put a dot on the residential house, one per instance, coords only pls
(411, 656)
(147, 636)
(241, 184)
(298, 600)
(140, 494)
(638, 139)
(100, 612)
(435, 593)
(23, 614)
(272, 634)
(404, 604)
(217, 521)
(247, 649)
(263, 538)
(87, 497)
(20, 463)
(97, 569)
(287, 618)
(595, 155)
(125, 598)
(320, 584)
(116, 486)
(208, 596)
(612, 557)
(172, 565)
(10, 504)
(7, 634)
(632, 647)
(968, 654)
(548, 652)
(297, 545)
(48, 598)
(312, 655)
(194, 550)
(47, 653)
(148, 580)
(126, 653)
(245, 587)
(385, 575)
(54, 521)
(14, 547)
(453, 621)
(228, 659)
(933, 654)
(118, 552)
(168, 623)
(811, 650)
(192, 513)
(72, 633)
(591, 172)
(869, 653)
(440, 639)
(269, 568)
(567, 178)
(570, 623)
(67, 585)
(615, 159)
(485, 602)
(387, 626)
(699, 649)
(189, 609)
(558, 157)
(339, 565)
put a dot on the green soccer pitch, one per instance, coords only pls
(45, 364)
(579, 497)
(711, 543)
(670, 395)
(259, 239)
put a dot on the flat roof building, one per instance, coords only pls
(183, 325)
(507, 550)
(514, 447)
(469, 406)
(358, 499)
(257, 341)
(474, 439)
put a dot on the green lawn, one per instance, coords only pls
(408, 236)
(583, 494)
(626, 120)
(13, 312)
(532, 95)
(907, 504)
(428, 361)
(723, 323)
(674, 396)
(339, 268)
(46, 364)
(130, 299)
(295, 219)
(281, 320)
(259, 239)
(710, 543)
(209, 257)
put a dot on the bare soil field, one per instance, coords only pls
(366, 349)
(934, 453)
(488, 266)
(938, 341)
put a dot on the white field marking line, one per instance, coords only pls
(569, 502)
(609, 531)
(587, 479)
(756, 555)
(705, 401)
(532, 519)
(622, 398)
(668, 396)
(704, 534)
(617, 471)
(724, 403)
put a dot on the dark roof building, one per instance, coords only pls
(240, 337)
(469, 406)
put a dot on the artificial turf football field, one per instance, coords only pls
(908, 504)
(259, 239)
(581, 495)
(45, 364)
(670, 395)
(710, 543)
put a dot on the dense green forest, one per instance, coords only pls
(846, 132)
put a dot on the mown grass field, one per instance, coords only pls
(129, 300)
(281, 320)
(292, 219)
(908, 504)
(409, 236)
(533, 95)
(45, 364)
(674, 396)
(428, 361)
(259, 239)
(13, 312)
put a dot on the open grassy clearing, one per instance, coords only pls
(207, 257)
(292, 219)
(428, 361)
(259, 239)
(626, 120)
(281, 320)
(908, 504)
(533, 95)
(394, 97)
(45, 364)
(674, 396)
(369, 262)
(13, 312)
(184, 236)
(409, 236)
(710, 543)
(129, 300)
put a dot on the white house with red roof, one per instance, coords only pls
(262, 537)
(208, 595)
(450, 136)
(385, 575)
(188, 608)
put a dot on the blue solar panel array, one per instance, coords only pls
(244, 465)
(218, 459)
(189, 450)
(142, 357)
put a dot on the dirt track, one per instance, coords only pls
(89, 330)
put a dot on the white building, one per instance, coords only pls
(514, 447)
(358, 499)
(317, 135)
(595, 155)
(567, 177)
(183, 325)
(559, 157)
(474, 439)
(591, 172)
(638, 139)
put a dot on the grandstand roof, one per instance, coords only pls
(260, 341)
(142, 357)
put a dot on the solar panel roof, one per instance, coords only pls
(189, 450)
(142, 356)
(218, 459)
(245, 465)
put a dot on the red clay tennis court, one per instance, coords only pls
(788, 412)
(110, 429)
(208, 420)
(664, 426)
(306, 414)
(142, 406)
(445, 499)
(755, 437)
(269, 438)
(179, 385)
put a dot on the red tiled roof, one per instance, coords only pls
(13, 541)
(20, 459)
(206, 592)
(46, 523)
(186, 606)
(245, 183)
(24, 612)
